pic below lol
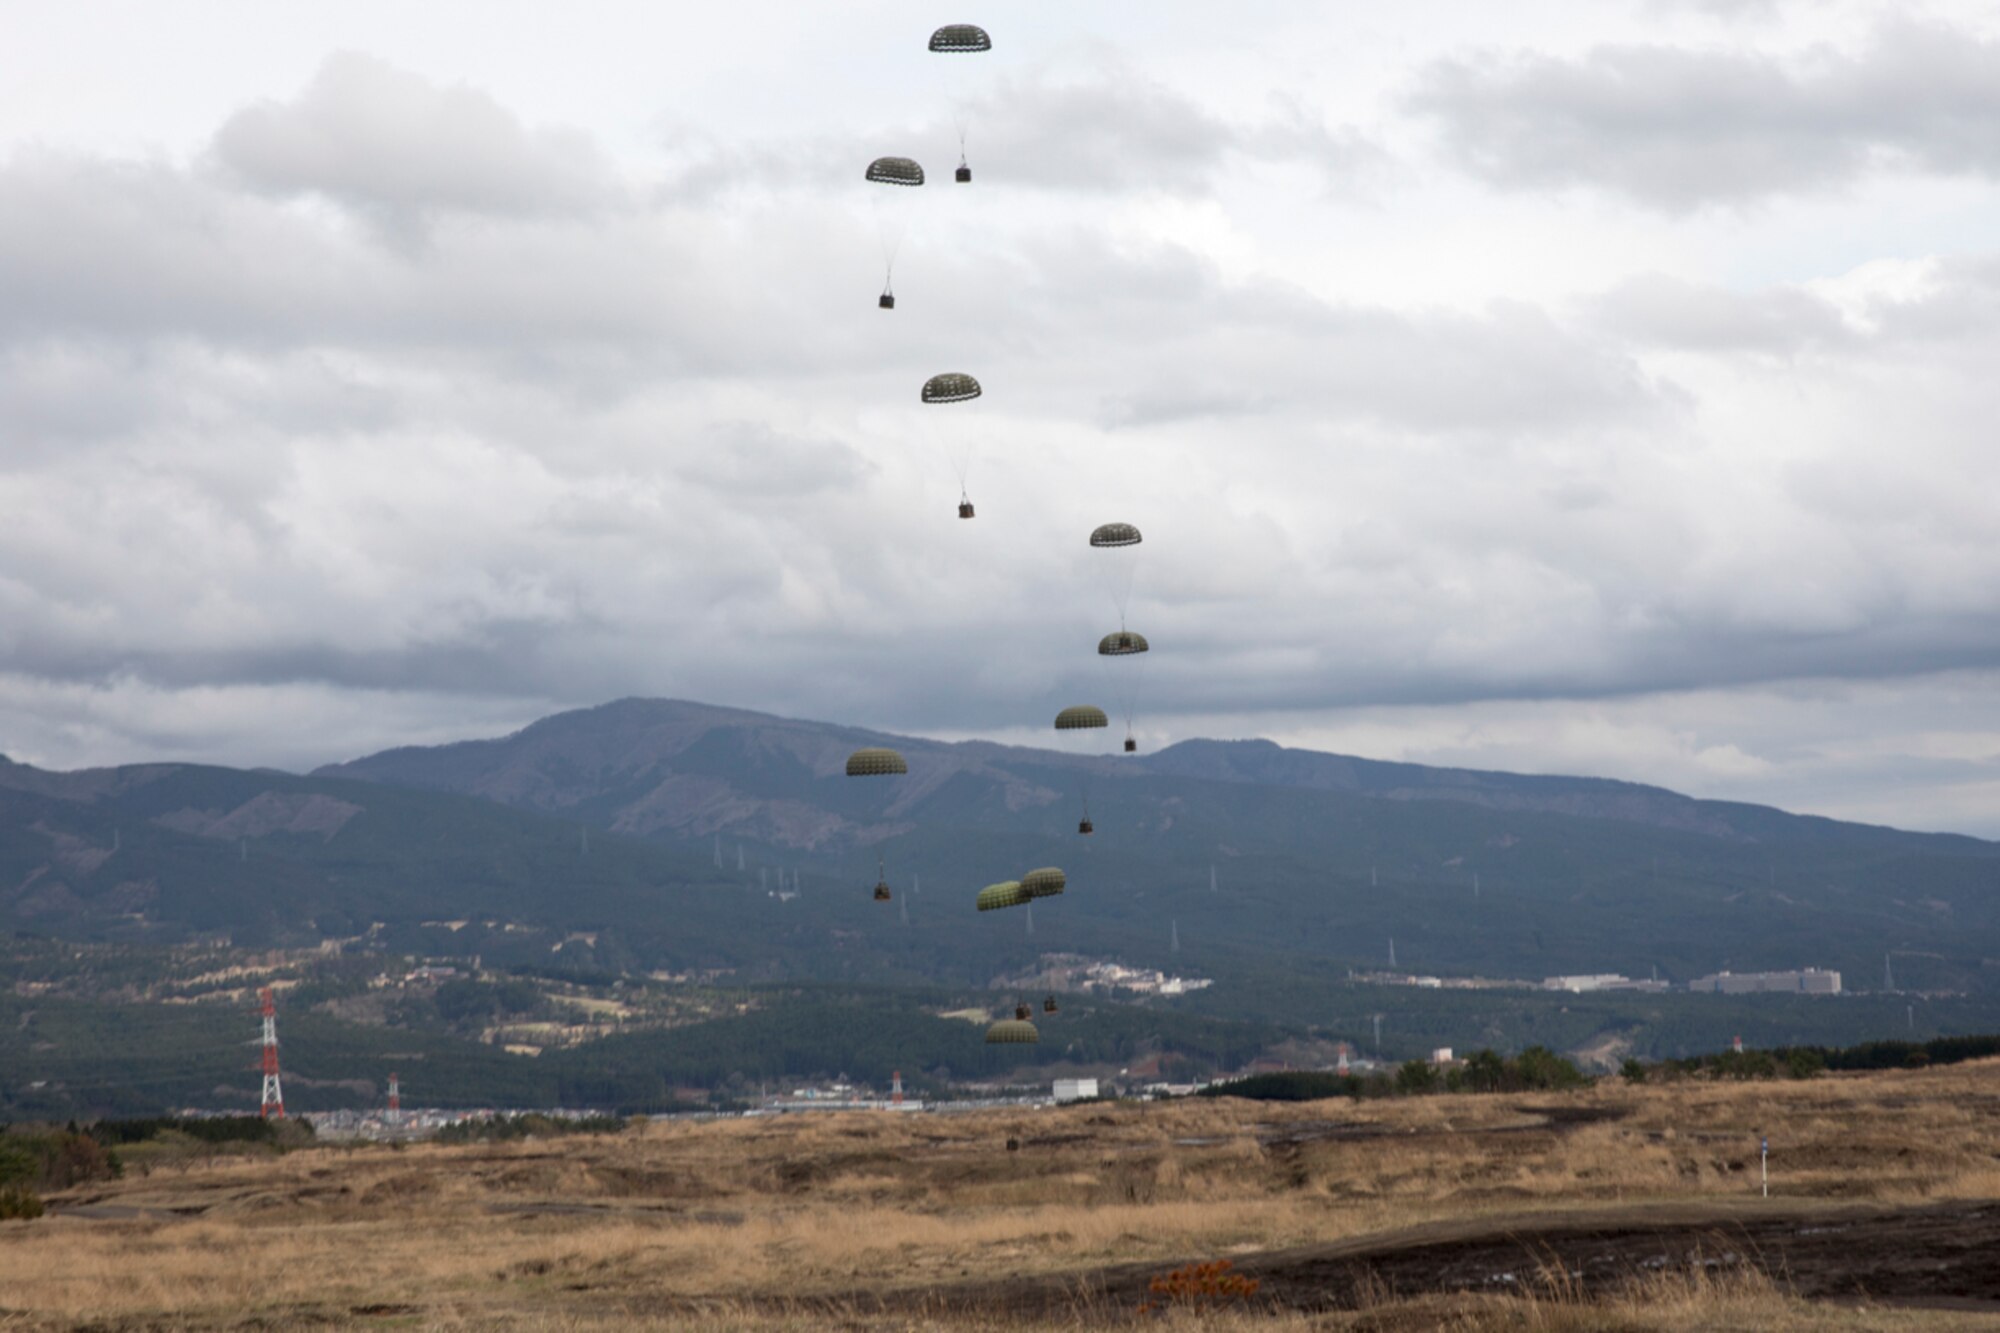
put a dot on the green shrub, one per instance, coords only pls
(18, 1202)
(71, 1158)
(1804, 1062)
(1416, 1077)
(1540, 1068)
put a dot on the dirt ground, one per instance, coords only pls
(1941, 1256)
(1613, 1207)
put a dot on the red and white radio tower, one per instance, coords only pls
(896, 1087)
(395, 1101)
(274, 1095)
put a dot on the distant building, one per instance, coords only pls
(1810, 981)
(1596, 981)
(1441, 1056)
(1592, 981)
(1075, 1089)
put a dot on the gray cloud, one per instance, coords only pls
(1730, 11)
(1121, 132)
(395, 146)
(1666, 312)
(499, 468)
(1677, 129)
(1114, 134)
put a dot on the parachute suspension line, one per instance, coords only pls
(1132, 695)
(961, 464)
(892, 250)
(1118, 586)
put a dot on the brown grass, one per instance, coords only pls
(803, 1221)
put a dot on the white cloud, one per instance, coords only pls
(588, 430)
(1678, 127)
(395, 146)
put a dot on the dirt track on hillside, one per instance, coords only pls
(1944, 1255)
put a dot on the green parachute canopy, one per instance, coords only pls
(1012, 1031)
(1045, 882)
(957, 38)
(951, 387)
(875, 763)
(1123, 644)
(1115, 534)
(1008, 893)
(895, 171)
(1080, 717)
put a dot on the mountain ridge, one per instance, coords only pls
(1467, 871)
(1253, 761)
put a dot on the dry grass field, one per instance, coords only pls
(1614, 1207)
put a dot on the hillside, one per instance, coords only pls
(654, 834)
(658, 845)
(1321, 856)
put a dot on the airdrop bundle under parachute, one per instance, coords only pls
(955, 387)
(899, 171)
(961, 39)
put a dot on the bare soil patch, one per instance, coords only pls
(1944, 1255)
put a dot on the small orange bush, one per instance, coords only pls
(1199, 1286)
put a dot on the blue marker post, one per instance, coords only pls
(1764, 1162)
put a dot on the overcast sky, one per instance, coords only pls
(1601, 388)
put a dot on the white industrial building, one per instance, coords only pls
(1810, 981)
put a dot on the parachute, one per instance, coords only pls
(1044, 883)
(1124, 643)
(1115, 534)
(1012, 1031)
(951, 387)
(961, 39)
(954, 38)
(1007, 893)
(895, 171)
(955, 387)
(876, 763)
(889, 218)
